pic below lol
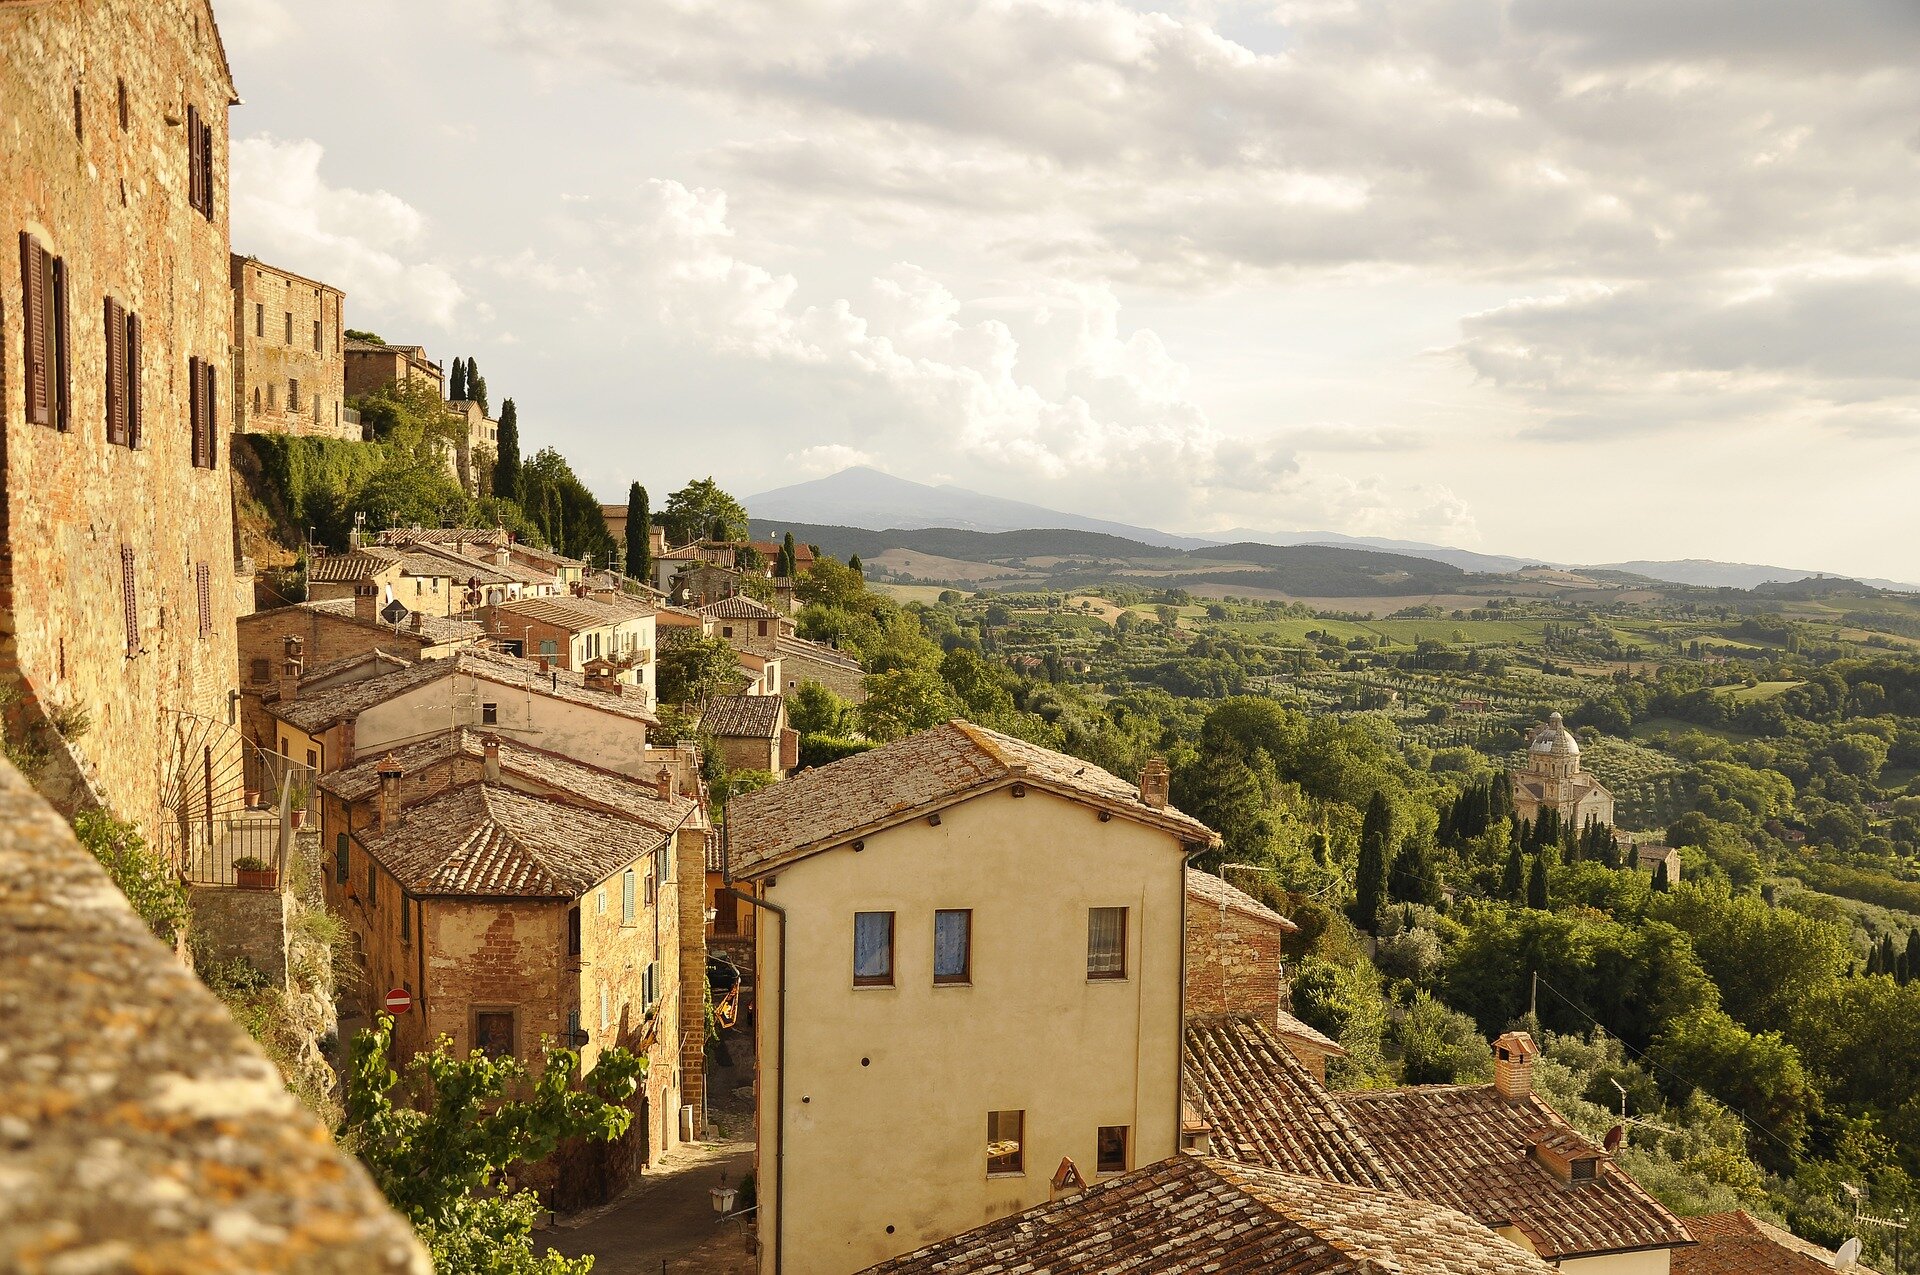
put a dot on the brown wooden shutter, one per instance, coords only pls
(33, 315)
(116, 325)
(133, 381)
(195, 408)
(210, 412)
(62, 341)
(129, 601)
(193, 156)
(206, 170)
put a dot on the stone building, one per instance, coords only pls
(567, 927)
(605, 636)
(750, 732)
(971, 917)
(1234, 962)
(802, 660)
(747, 624)
(1553, 780)
(478, 444)
(289, 357)
(371, 365)
(116, 528)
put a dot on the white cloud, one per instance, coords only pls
(253, 26)
(827, 458)
(372, 244)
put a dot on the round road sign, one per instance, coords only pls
(399, 1001)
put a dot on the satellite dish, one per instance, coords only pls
(1849, 1254)
(1614, 1135)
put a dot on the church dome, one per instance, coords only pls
(1554, 739)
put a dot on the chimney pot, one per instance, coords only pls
(419, 621)
(664, 783)
(291, 666)
(389, 790)
(366, 601)
(490, 750)
(1155, 782)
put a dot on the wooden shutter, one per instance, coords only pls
(62, 341)
(203, 588)
(206, 170)
(129, 600)
(33, 316)
(116, 324)
(133, 381)
(193, 156)
(196, 408)
(210, 412)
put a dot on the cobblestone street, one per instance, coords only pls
(665, 1221)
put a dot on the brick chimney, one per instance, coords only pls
(663, 783)
(419, 621)
(1513, 1056)
(389, 791)
(366, 601)
(1154, 782)
(290, 666)
(490, 751)
(601, 675)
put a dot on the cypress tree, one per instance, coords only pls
(1913, 952)
(1513, 882)
(1873, 961)
(477, 389)
(1537, 883)
(853, 564)
(639, 543)
(469, 378)
(1370, 880)
(457, 381)
(1889, 955)
(1660, 882)
(1412, 877)
(788, 561)
(506, 461)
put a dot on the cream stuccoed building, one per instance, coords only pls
(1553, 780)
(970, 961)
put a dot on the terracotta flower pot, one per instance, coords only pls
(257, 878)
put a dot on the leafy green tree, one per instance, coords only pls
(1439, 1046)
(986, 699)
(1767, 961)
(1370, 877)
(695, 670)
(457, 381)
(701, 508)
(444, 1164)
(1513, 880)
(567, 514)
(853, 565)
(1414, 877)
(812, 709)
(506, 462)
(904, 700)
(830, 583)
(639, 543)
(1537, 897)
(1760, 1075)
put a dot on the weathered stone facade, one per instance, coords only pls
(289, 359)
(116, 557)
(1234, 958)
(370, 366)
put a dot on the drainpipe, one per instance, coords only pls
(780, 1084)
(1180, 1024)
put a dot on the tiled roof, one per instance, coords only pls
(1218, 892)
(743, 716)
(577, 614)
(887, 785)
(443, 535)
(1290, 1027)
(436, 629)
(1186, 1214)
(584, 785)
(1738, 1243)
(544, 557)
(1266, 1109)
(385, 661)
(739, 607)
(349, 568)
(449, 562)
(487, 841)
(1467, 1147)
(337, 703)
(801, 649)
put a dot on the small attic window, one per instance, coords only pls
(1585, 1169)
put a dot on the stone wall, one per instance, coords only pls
(1234, 962)
(122, 1075)
(288, 336)
(107, 192)
(248, 924)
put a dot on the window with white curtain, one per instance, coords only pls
(873, 949)
(1106, 942)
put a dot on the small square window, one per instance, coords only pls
(600, 901)
(953, 945)
(1005, 1142)
(489, 714)
(1111, 1153)
(1106, 943)
(873, 949)
(259, 670)
(1584, 1170)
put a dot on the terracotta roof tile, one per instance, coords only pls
(1738, 1243)
(438, 630)
(583, 784)
(577, 614)
(803, 649)
(739, 607)
(744, 716)
(1290, 1027)
(886, 785)
(349, 568)
(1187, 1214)
(487, 841)
(1267, 1109)
(1467, 1147)
(1218, 892)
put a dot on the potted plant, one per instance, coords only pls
(297, 803)
(250, 872)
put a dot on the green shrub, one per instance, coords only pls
(148, 880)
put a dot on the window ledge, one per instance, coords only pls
(955, 983)
(1018, 1173)
(874, 987)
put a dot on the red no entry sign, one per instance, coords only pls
(399, 1001)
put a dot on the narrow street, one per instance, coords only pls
(665, 1221)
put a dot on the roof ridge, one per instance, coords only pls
(978, 736)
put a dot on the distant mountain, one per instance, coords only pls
(865, 497)
(961, 543)
(1736, 575)
(1465, 559)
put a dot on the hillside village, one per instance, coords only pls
(415, 862)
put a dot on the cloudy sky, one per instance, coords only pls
(1579, 279)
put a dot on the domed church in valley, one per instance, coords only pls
(1553, 780)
